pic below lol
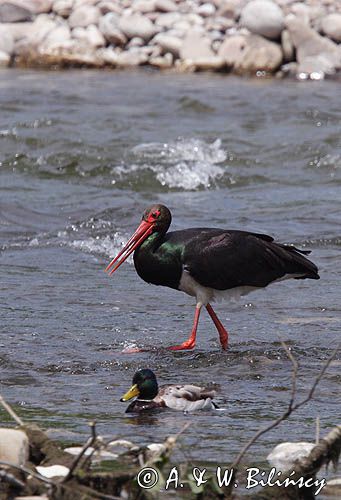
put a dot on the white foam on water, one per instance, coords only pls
(187, 164)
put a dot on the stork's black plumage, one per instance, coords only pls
(204, 261)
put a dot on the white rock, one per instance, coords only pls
(53, 471)
(84, 16)
(19, 30)
(310, 44)
(91, 35)
(263, 17)
(331, 26)
(34, 6)
(301, 11)
(131, 58)
(284, 455)
(195, 47)
(57, 37)
(4, 59)
(206, 10)
(108, 56)
(14, 445)
(6, 39)
(136, 25)
(162, 62)
(287, 46)
(63, 8)
(168, 20)
(168, 43)
(108, 26)
(250, 53)
(144, 6)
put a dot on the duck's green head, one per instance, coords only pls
(144, 386)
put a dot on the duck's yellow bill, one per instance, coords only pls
(132, 393)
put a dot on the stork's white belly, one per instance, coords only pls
(204, 294)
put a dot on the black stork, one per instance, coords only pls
(209, 263)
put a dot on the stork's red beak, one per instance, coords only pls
(141, 233)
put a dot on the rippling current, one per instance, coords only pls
(82, 154)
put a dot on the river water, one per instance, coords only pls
(82, 154)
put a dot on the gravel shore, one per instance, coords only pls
(252, 37)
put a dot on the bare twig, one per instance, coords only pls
(10, 411)
(91, 440)
(291, 406)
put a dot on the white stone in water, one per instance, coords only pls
(14, 445)
(263, 17)
(53, 471)
(331, 26)
(284, 455)
(136, 25)
(6, 39)
(84, 16)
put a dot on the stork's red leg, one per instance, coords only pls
(190, 343)
(223, 333)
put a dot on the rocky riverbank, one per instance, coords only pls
(241, 36)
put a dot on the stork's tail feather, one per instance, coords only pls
(296, 263)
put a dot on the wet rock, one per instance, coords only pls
(195, 47)
(6, 39)
(14, 446)
(136, 25)
(13, 13)
(4, 59)
(108, 56)
(263, 17)
(108, 26)
(165, 6)
(331, 26)
(313, 50)
(168, 43)
(63, 8)
(90, 35)
(249, 54)
(84, 16)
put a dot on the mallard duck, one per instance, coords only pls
(177, 397)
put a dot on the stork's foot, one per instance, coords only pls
(189, 344)
(223, 333)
